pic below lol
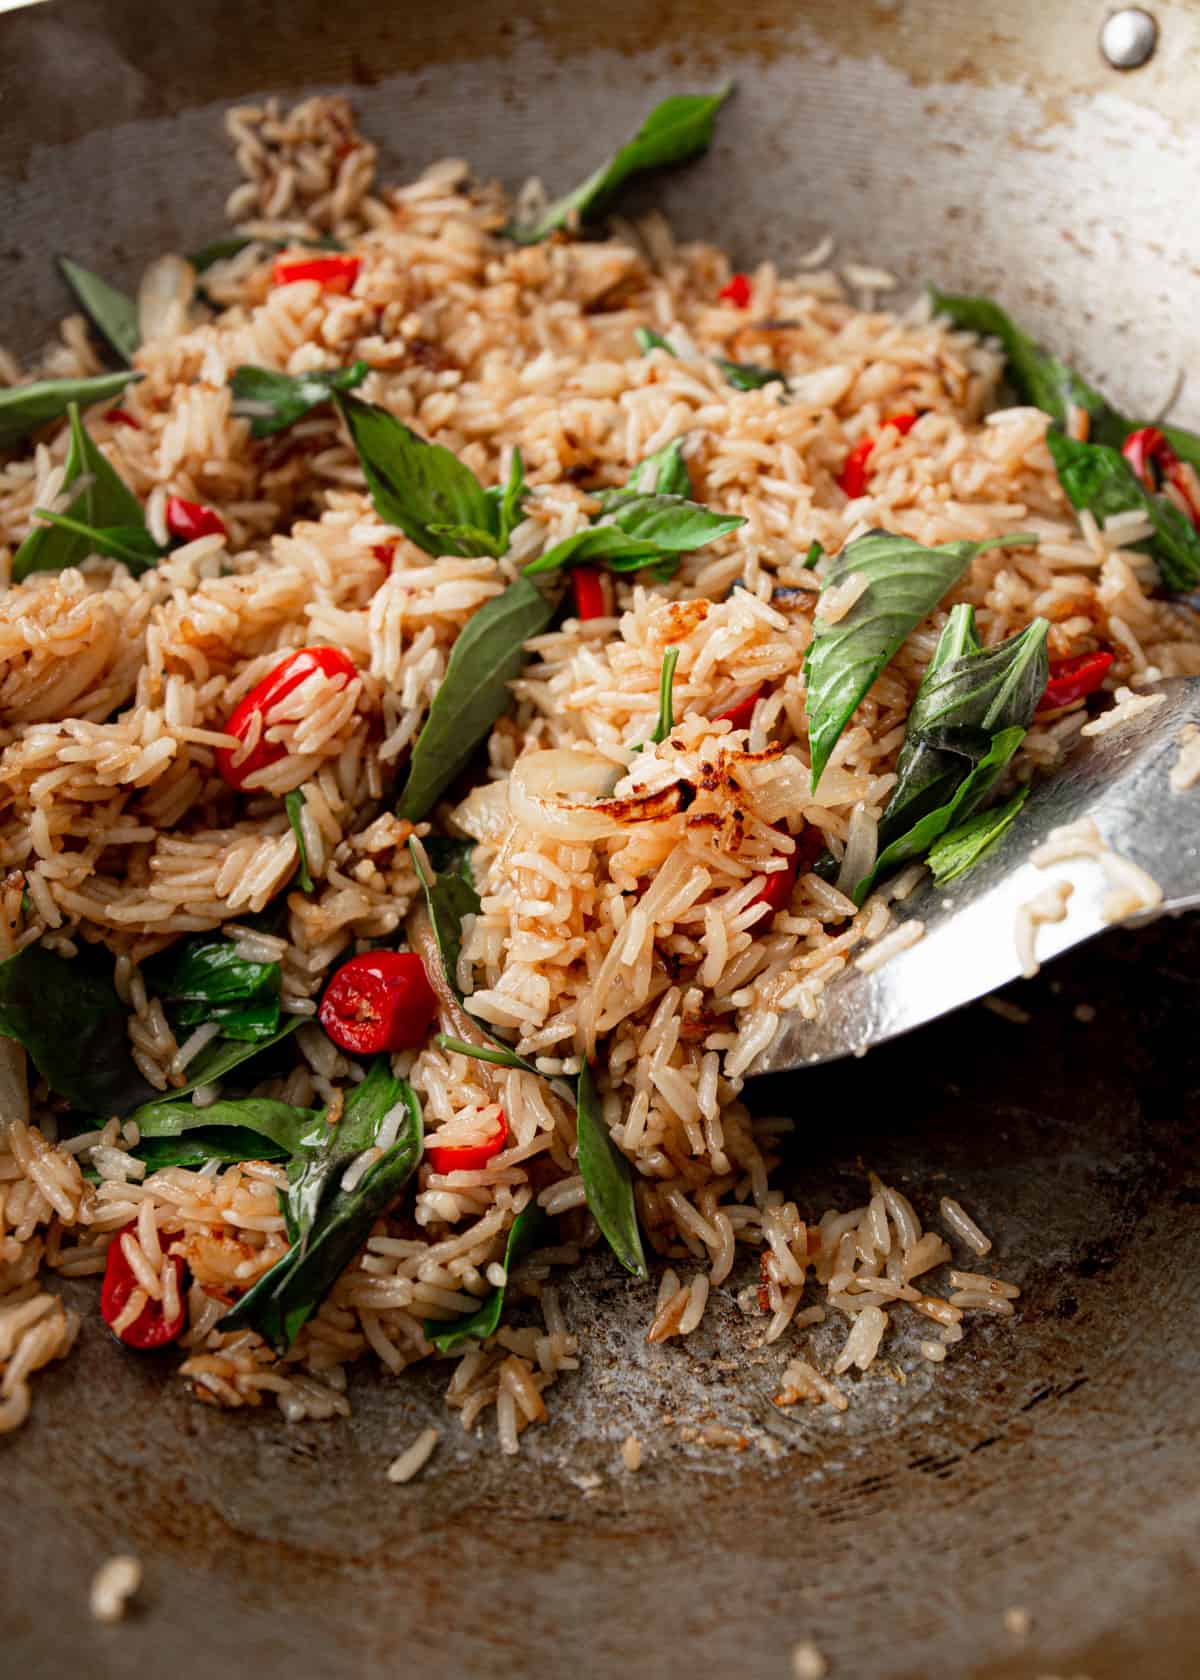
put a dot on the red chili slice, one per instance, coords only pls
(468, 1157)
(590, 589)
(1155, 463)
(276, 686)
(121, 417)
(334, 273)
(189, 520)
(151, 1328)
(381, 1000)
(385, 553)
(738, 717)
(736, 291)
(1072, 679)
(854, 474)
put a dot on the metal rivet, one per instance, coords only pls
(1129, 38)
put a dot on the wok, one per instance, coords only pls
(1049, 1465)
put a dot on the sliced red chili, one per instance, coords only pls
(151, 1328)
(385, 553)
(738, 717)
(468, 1157)
(189, 520)
(776, 890)
(590, 589)
(334, 273)
(274, 687)
(854, 474)
(1155, 463)
(1072, 679)
(381, 1000)
(736, 291)
(122, 417)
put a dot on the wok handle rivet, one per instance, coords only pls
(1128, 38)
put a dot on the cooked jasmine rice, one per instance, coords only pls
(620, 868)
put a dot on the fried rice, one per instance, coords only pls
(641, 945)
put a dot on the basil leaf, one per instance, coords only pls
(204, 980)
(268, 1130)
(663, 473)
(196, 1149)
(666, 710)
(905, 583)
(316, 1168)
(748, 376)
(674, 131)
(417, 486)
(530, 1228)
(272, 401)
(640, 528)
(23, 408)
(294, 804)
(1101, 481)
(958, 849)
(285, 1298)
(508, 500)
(483, 1053)
(967, 720)
(450, 857)
(448, 899)
(102, 501)
(67, 1014)
(484, 660)
(1036, 376)
(647, 340)
(112, 313)
(224, 1054)
(607, 1179)
(467, 539)
(131, 544)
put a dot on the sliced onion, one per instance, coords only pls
(862, 843)
(165, 298)
(544, 789)
(14, 1084)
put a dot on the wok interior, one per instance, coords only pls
(1045, 1459)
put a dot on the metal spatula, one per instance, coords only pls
(1121, 780)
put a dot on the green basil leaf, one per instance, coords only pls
(209, 970)
(416, 485)
(484, 1053)
(676, 130)
(112, 313)
(957, 793)
(449, 898)
(102, 501)
(450, 856)
(285, 1298)
(607, 1179)
(749, 376)
(905, 583)
(67, 1014)
(196, 1149)
(253, 1023)
(647, 340)
(637, 530)
(317, 1169)
(529, 1229)
(957, 850)
(268, 1130)
(220, 1058)
(1036, 376)
(484, 660)
(220, 250)
(294, 805)
(468, 539)
(131, 544)
(272, 401)
(508, 499)
(619, 552)
(663, 473)
(1101, 481)
(23, 408)
(666, 709)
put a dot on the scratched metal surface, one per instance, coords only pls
(1050, 1464)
